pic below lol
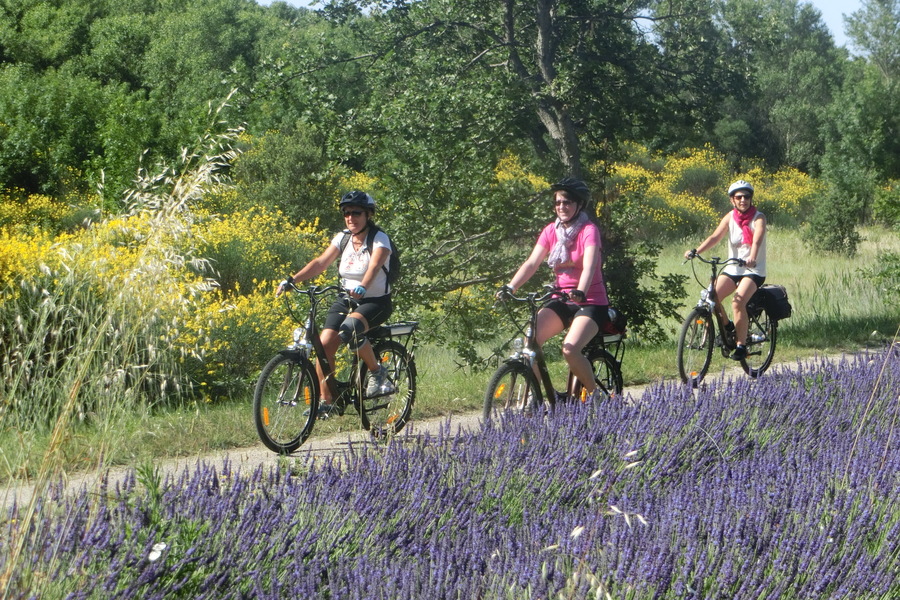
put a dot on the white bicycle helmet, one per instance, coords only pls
(740, 184)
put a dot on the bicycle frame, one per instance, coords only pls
(709, 299)
(308, 338)
(698, 334)
(530, 353)
(291, 378)
(526, 351)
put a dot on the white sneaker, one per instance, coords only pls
(379, 383)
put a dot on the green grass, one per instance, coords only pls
(835, 310)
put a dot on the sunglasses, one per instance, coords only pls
(564, 202)
(353, 213)
(742, 196)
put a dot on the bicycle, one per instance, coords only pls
(698, 331)
(287, 395)
(513, 388)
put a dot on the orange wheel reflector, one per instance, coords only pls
(583, 395)
(391, 420)
(307, 395)
(265, 416)
(500, 389)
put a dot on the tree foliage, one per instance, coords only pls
(458, 112)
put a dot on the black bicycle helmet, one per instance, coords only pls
(357, 198)
(576, 187)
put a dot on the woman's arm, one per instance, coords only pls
(759, 232)
(529, 267)
(588, 267)
(315, 267)
(715, 238)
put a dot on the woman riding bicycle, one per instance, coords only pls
(571, 245)
(365, 278)
(746, 230)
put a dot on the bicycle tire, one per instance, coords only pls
(512, 389)
(695, 346)
(761, 340)
(286, 403)
(607, 375)
(387, 414)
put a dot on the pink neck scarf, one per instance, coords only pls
(743, 220)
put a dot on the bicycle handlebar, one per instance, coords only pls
(549, 292)
(716, 261)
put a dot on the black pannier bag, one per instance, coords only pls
(774, 299)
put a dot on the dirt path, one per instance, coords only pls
(248, 459)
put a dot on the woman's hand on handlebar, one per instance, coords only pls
(284, 286)
(504, 293)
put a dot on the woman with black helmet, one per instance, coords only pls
(572, 248)
(746, 230)
(364, 276)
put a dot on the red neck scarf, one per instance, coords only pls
(743, 220)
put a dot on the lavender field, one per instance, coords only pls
(788, 487)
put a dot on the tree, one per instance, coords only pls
(874, 30)
(791, 70)
(458, 86)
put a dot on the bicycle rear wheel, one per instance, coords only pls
(386, 414)
(607, 375)
(761, 338)
(695, 346)
(512, 389)
(286, 403)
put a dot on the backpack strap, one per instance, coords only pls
(344, 240)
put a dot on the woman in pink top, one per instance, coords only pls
(571, 246)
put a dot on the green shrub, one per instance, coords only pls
(255, 246)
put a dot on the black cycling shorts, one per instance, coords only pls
(567, 311)
(375, 310)
(757, 279)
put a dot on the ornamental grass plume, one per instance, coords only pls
(83, 341)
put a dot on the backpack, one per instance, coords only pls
(392, 268)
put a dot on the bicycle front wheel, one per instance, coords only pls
(607, 375)
(388, 411)
(761, 339)
(512, 388)
(695, 346)
(286, 403)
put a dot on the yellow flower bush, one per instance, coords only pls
(509, 169)
(228, 338)
(685, 194)
(256, 247)
(22, 255)
(24, 213)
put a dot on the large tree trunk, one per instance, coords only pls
(552, 113)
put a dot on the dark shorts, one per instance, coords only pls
(375, 310)
(757, 279)
(567, 311)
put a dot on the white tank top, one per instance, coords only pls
(738, 249)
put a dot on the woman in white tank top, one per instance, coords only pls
(745, 227)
